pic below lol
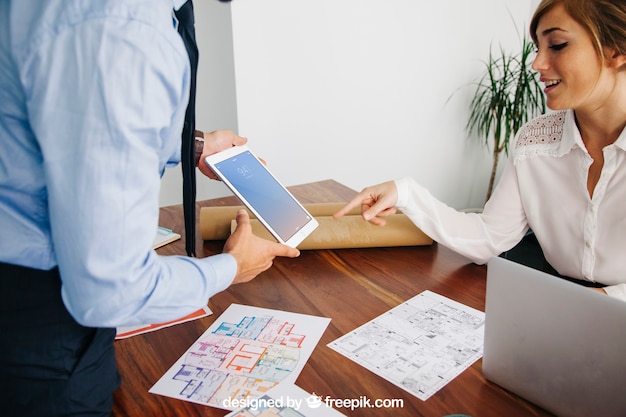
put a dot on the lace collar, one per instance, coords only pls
(553, 134)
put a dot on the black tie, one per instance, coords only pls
(187, 32)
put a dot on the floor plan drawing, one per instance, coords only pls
(244, 354)
(419, 345)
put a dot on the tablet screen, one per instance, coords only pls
(264, 193)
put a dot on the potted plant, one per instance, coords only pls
(507, 96)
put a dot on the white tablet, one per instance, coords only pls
(285, 218)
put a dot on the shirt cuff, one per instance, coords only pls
(402, 188)
(616, 291)
(226, 267)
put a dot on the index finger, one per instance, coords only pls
(356, 201)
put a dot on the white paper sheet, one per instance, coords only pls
(420, 345)
(124, 332)
(245, 353)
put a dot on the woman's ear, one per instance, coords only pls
(615, 59)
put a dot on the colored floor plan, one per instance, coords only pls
(245, 353)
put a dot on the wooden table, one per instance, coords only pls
(350, 286)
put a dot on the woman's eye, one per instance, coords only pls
(559, 46)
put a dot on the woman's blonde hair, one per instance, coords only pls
(604, 20)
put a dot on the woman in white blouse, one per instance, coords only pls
(566, 176)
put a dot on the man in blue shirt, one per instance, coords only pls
(92, 101)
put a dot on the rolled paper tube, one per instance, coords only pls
(215, 221)
(352, 231)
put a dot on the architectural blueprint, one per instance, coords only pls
(420, 345)
(245, 353)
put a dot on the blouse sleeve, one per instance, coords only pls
(617, 291)
(499, 227)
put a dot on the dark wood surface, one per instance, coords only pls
(350, 286)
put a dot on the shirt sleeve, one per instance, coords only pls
(479, 237)
(106, 100)
(617, 291)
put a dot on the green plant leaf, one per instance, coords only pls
(507, 96)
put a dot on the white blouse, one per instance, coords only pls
(544, 187)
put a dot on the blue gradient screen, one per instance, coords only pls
(264, 193)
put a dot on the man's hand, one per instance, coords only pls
(216, 141)
(253, 254)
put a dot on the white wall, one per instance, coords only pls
(357, 90)
(216, 106)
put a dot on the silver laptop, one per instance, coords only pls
(557, 344)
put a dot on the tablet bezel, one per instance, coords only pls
(296, 238)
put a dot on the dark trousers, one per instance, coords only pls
(49, 364)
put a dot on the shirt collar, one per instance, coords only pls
(621, 140)
(571, 135)
(573, 138)
(177, 4)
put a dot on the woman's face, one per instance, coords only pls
(568, 64)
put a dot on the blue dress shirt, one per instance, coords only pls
(92, 102)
